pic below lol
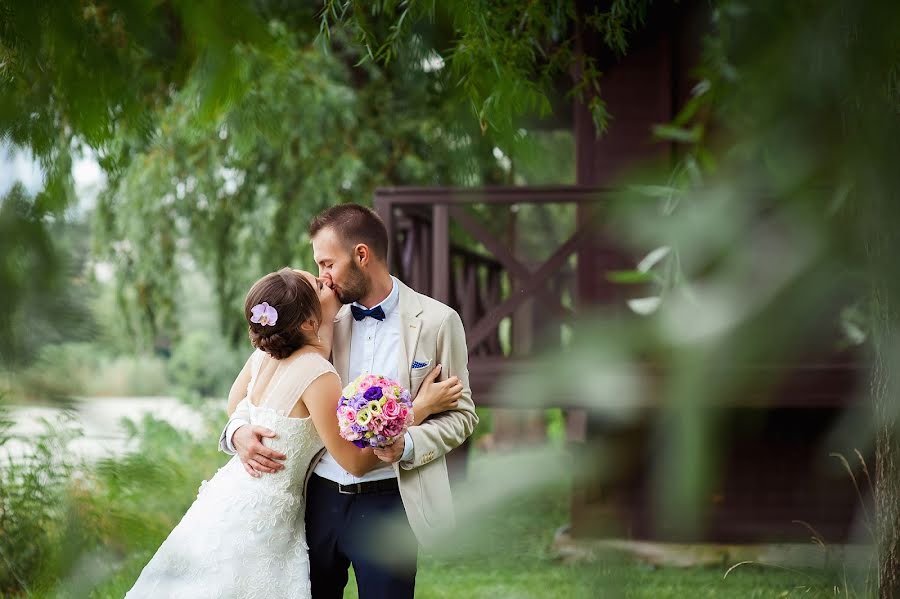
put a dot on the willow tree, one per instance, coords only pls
(234, 195)
(221, 130)
(93, 73)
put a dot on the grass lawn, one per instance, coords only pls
(505, 553)
(503, 550)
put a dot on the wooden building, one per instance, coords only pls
(774, 469)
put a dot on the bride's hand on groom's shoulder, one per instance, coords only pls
(329, 301)
(436, 397)
(256, 457)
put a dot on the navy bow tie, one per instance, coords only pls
(359, 313)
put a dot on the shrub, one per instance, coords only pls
(203, 363)
(67, 525)
(34, 508)
(67, 370)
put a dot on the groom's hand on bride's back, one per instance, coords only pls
(256, 457)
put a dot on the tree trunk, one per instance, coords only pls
(887, 443)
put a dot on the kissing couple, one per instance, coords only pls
(298, 503)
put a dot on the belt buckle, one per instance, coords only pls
(356, 486)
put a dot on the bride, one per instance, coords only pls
(243, 537)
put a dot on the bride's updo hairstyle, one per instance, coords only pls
(293, 299)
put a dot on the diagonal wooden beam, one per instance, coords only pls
(525, 289)
(515, 268)
(491, 242)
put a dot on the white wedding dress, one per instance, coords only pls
(245, 537)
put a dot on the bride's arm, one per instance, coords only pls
(238, 410)
(321, 399)
(239, 387)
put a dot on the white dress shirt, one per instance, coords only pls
(374, 349)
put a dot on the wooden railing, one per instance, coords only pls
(493, 282)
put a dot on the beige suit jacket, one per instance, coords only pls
(431, 333)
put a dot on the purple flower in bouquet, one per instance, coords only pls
(373, 393)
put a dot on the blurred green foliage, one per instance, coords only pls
(86, 530)
(34, 510)
(66, 523)
(233, 196)
(87, 369)
(222, 129)
(506, 60)
(41, 263)
(205, 364)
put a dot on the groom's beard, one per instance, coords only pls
(354, 287)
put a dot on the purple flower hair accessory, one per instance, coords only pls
(264, 314)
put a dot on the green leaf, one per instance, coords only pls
(679, 134)
(629, 277)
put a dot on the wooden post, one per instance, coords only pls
(440, 254)
(385, 210)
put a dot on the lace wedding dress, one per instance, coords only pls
(244, 537)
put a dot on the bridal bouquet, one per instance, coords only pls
(374, 411)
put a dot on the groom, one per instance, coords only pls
(391, 330)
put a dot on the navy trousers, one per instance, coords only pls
(368, 530)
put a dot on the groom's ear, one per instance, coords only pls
(361, 254)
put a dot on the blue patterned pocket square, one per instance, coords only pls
(416, 364)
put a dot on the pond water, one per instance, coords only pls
(100, 419)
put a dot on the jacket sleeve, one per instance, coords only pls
(448, 430)
(239, 418)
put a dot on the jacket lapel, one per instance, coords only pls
(340, 343)
(410, 328)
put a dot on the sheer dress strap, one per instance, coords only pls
(256, 360)
(292, 380)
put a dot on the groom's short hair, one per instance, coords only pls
(354, 224)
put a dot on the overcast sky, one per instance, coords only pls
(18, 165)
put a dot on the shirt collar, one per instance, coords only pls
(388, 304)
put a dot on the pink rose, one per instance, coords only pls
(392, 429)
(390, 409)
(377, 423)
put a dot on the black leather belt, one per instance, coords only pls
(387, 485)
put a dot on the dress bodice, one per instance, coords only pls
(297, 439)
